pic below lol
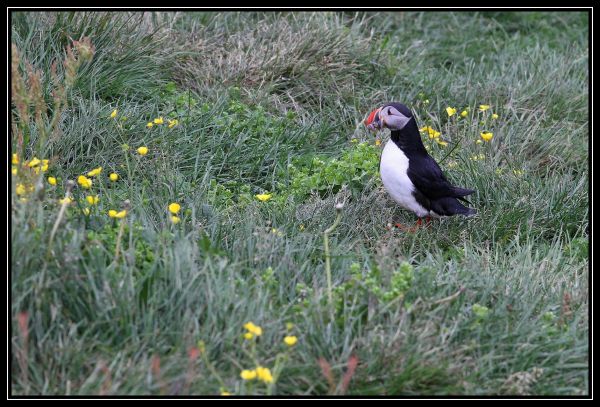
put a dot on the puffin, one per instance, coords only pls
(412, 178)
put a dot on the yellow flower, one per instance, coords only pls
(431, 131)
(86, 211)
(483, 108)
(478, 141)
(34, 162)
(441, 143)
(94, 172)
(487, 135)
(14, 171)
(264, 197)
(248, 335)
(15, 158)
(175, 219)
(225, 393)
(51, 180)
(20, 190)
(264, 374)
(377, 142)
(159, 120)
(92, 199)
(84, 181)
(495, 116)
(255, 329)
(142, 150)
(113, 114)
(248, 374)
(66, 200)
(464, 113)
(173, 123)
(174, 208)
(113, 177)
(45, 165)
(451, 111)
(290, 340)
(114, 214)
(149, 125)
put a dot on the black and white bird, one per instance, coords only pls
(409, 174)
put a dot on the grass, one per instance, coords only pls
(273, 103)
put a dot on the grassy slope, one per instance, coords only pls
(98, 326)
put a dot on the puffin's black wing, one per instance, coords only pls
(427, 177)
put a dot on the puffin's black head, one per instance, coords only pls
(394, 116)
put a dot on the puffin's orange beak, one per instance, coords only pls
(373, 122)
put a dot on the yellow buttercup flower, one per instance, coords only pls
(45, 165)
(51, 180)
(94, 172)
(495, 116)
(290, 340)
(173, 123)
(377, 142)
(66, 200)
(15, 159)
(113, 114)
(159, 120)
(264, 374)
(248, 374)
(114, 214)
(84, 181)
(263, 197)
(464, 113)
(113, 177)
(487, 135)
(175, 219)
(34, 162)
(20, 190)
(483, 108)
(174, 208)
(478, 141)
(255, 329)
(441, 143)
(142, 150)
(149, 125)
(92, 199)
(431, 131)
(451, 111)
(14, 171)
(248, 336)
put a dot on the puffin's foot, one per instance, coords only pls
(417, 225)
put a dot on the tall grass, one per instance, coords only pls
(495, 304)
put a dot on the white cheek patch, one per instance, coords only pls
(393, 119)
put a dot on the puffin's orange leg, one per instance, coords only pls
(410, 229)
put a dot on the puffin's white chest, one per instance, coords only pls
(394, 174)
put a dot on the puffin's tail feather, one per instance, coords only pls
(460, 192)
(449, 206)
